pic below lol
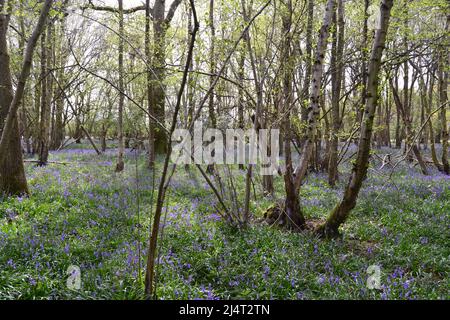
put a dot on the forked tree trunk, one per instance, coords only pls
(339, 215)
(293, 215)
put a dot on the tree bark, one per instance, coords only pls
(152, 124)
(364, 55)
(339, 215)
(308, 64)
(443, 97)
(314, 106)
(432, 136)
(120, 163)
(158, 74)
(337, 74)
(58, 127)
(46, 84)
(15, 181)
(293, 216)
(212, 70)
(12, 173)
(151, 257)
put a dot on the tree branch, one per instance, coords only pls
(172, 10)
(112, 9)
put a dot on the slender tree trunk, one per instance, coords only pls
(314, 106)
(337, 66)
(321, 163)
(120, 164)
(258, 112)
(387, 119)
(405, 108)
(152, 247)
(443, 97)
(364, 55)
(58, 128)
(103, 139)
(292, 217)
(398, 130)
(309, 63)
(46, 64)
(152, 124)
(339, 215)
(240, 106)
(430, 125)
(212, 70)
(158, 74)
(23, 121)
(36, 111)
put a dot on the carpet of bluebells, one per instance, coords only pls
(84, 214)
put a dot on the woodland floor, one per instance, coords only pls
(84, 214)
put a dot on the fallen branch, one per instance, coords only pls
(48, 162)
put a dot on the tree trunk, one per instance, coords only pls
(159, 74)
(152, 247)
(58, 128)
(36, 111)
(308, 64)
(443, 84)
(339, 215)
(120, 164)
(212, 70)
(23, 120)
(13, 180)
(364, 55)
(428, 103)
(314, 107)
(45, 117)
(240, 106)
(337, 67)
(12, 173)
(293, 216)
(152, 124)
(398, 130)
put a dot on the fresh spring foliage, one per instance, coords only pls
(83, 214)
